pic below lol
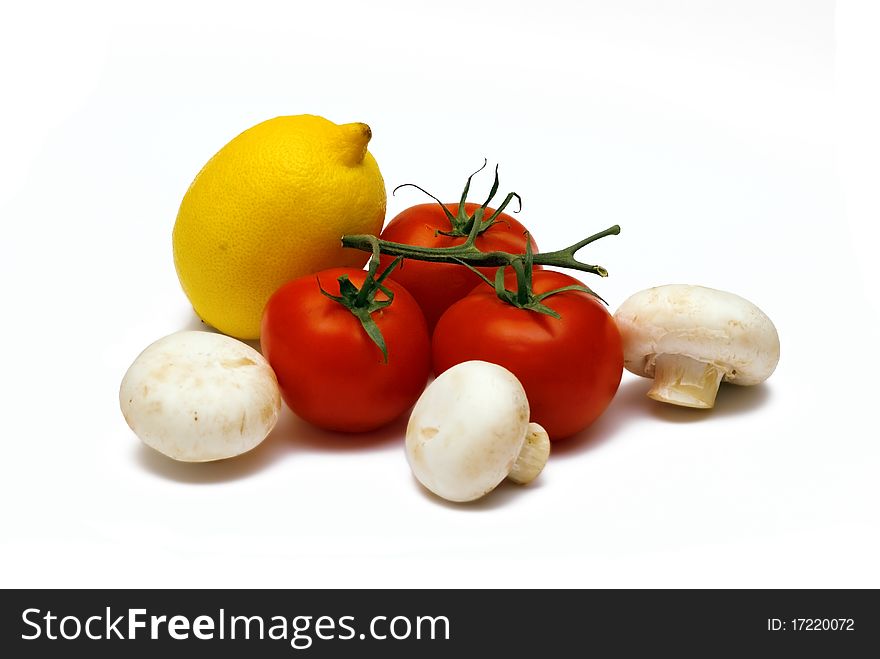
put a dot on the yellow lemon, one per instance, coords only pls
(269, 207)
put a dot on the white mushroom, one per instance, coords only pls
(690, 338)
(200, 396)
(470, 429)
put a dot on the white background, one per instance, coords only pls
(735, 142)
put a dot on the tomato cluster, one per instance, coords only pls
(357, 368)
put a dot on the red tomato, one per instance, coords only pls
(436, 286)
(570, 367)
(329, 370)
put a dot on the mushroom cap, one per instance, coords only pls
(467, 430)
(200, 396)
(702, 323)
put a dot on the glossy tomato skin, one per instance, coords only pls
(570, 368)
(330, 372)
(436, 286)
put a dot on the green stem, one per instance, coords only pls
(461, 224)
(362, 303)
(564, 257)
(469, 254)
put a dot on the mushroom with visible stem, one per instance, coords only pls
(470, 430)
(690, 338)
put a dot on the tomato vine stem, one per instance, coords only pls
(362, 302)
(461, 223)
(469, 254)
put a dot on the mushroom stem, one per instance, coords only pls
(685, 381)
(532, 456)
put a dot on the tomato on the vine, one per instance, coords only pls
(331, 368)
(436, 286)
(570, 367)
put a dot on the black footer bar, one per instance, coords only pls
(428, 623)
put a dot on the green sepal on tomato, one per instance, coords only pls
(329, 359)
(436, 286)
(570, 366)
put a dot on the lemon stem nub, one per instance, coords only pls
(356, 136)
